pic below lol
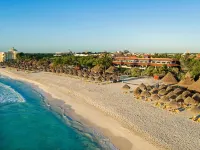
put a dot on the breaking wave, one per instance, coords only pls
(9, 95)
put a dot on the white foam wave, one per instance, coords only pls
(9, 95)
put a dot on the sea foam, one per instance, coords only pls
(9, 95)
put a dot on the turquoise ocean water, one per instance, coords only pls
(27, 123)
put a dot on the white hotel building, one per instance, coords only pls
(10, 55)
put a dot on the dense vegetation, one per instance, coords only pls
(188, 63)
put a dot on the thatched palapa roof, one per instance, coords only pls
(173, 104)
(188, 75)
(178, 91)
(137, 91)
(169, 89)
(185, 94)
(195, 86)
(196, 97)
(162, 92)
(164, 99)
(179, 98)
(171, 95)
(111, 70)
(143, 87)
(149, 88)
(154, 91)
(187, 80)
(162, 87)
(195, 110)
(145, 94)
(154, 97)
(169, 79)
(97, 69)
(126, 87)
(190, 100)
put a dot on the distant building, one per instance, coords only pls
(58, 54)
(80, 54)
(186, 53)
(10, 55)
(134, 61)
(198, 56)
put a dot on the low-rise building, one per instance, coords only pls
(198, 56)
(10, 55)
(134, 61)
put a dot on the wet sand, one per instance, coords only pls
(127, 122)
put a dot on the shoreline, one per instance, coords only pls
(119, 135)
(67, 113)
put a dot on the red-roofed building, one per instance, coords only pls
(134, 61)
(198, 56)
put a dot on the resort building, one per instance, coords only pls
(58, 54)
(134, 61)
(10, 55)
(198, 56)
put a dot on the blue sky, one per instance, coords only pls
(98, 25)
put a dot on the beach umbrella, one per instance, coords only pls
(74, 72)
(97, 69)
(115, 78)
(195, 86)
(195, 111)
(154, 91)
(162, 87)
(143, 87)
(91, 78)
(110, 78)
(169, 89)
(66, 71)
(126, 87)
(85, 75)
(190, 101)
(61, 70)
(186, 82)
(97, 78)
(178, 91)
(80, 73)
(70, 72)
(185, 94)
(103, 79)
(169, 79)
(188, 75)
(57, 70)
(51, 65)
(162, 100)
(111, 70)
(171, 95)
(174, 105)
(196, 97)
(53, 70)
(149, 88)
(180, 99)
(162, 92)
(145, 94)
(154, 97)
(137, 91)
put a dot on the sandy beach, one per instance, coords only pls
(127, 122)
